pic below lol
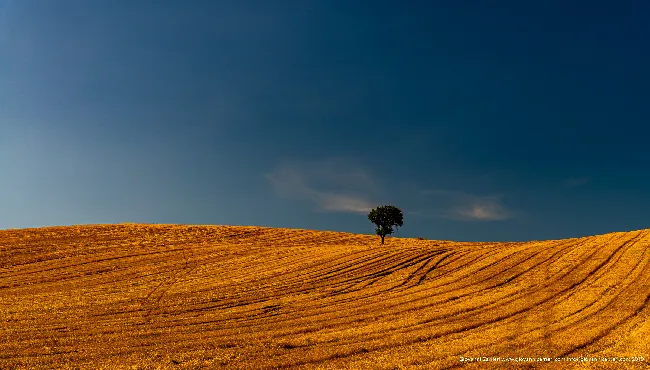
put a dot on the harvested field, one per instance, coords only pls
(187, 297)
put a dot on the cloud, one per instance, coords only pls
(480, 210)
(343, 203)
(573, 182)
(334, 185)
(341, 185)
(462, 206)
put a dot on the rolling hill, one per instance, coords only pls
(175, 296)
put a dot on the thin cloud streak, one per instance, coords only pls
(480, 210)
(343, 203)
(462, 206)
(573, 182)
(334, 185)
(338, 185)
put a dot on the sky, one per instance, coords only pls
(481, 121)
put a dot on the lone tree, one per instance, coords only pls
(385, 218)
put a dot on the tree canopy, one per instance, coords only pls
(385, 218)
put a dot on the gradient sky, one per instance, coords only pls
(517, 121)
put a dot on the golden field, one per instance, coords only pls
(190, 297)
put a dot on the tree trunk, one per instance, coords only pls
(382, 239)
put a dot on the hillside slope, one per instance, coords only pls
(172, 296)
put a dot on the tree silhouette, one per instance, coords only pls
(385, 218)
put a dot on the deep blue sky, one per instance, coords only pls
(517, 121)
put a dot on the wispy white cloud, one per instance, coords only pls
(344, 203)
(335, 185)
(462, 206)
(573, 182)
(480, 210)
(342, 185)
